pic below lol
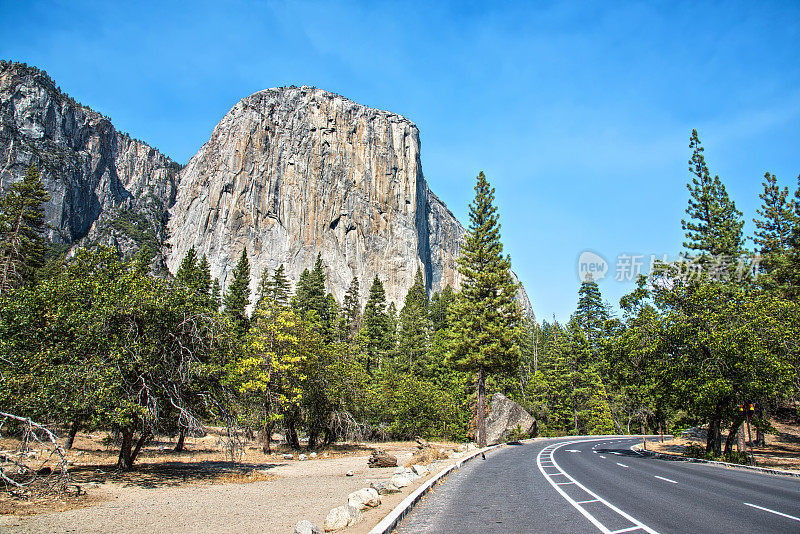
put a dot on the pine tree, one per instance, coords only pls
(414, 325)
(591, 314)
(715, 225)
(374, 333)
(237, 298)
(216, 295)
(311, 297)
(351, 312)
(187, 273)
(22, 244)
(204, 277)
(439, 308)
(484, 335)
(274, 290)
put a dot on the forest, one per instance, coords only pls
(89, 341)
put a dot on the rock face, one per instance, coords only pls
(505, 416)
(292, 172)
(101, 181)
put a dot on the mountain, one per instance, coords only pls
(293, 172)
(288, 173)
(105, 186)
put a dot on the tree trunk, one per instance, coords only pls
(73, 431)
(291, 434)
(266, 446)
(181, 438)
(312, 438)
(128, 452)
(732, 435)
(714, 438)
(481, 408)
(124, 461)
(760, 438)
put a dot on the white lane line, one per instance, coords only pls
(601, 456)
(563, 483)
(590, 500)
(615, 452)
(572, 450)
(549, 450)
(623, 465)
(625, 530)
(773, 511)
(665, 479)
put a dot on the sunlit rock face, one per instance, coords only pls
(292, 172)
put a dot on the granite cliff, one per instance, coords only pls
(287, 173)
(105, 186)
(292, 172)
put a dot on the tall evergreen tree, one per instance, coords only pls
(22, 244)
(374, 333)
(216, 295)
(351, 312)
(715, 225)
(204, 276)
(275, 289)
(187, 273)
(414, 325)
(310, 297)
(237, 298)
(484, 335)
(591, 314)
(440, 307)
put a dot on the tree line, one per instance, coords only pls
(94, 342)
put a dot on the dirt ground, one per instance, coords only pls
(199, 490)
(782, 449)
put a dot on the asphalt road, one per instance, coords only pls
(600, 485)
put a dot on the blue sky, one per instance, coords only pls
(578, 112)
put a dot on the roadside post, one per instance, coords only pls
(749, 411)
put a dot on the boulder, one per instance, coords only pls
(306, 527)
(288, 456)
(312, 455)
(420, 470)
(302, 457)
(384, 488)
(381, 458)
(342, 517)
(364, 498)
(505, 416)
(349, 473)
(400, 481)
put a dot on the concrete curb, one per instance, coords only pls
(679, 458)
(388, 523)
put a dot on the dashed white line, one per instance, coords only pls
(665, 479)
(623, 465)
(773, 511)
(601, 456)
(625, 530)
(590, 500)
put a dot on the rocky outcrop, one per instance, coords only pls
(292, 172)
(101, 181)
(505, 418)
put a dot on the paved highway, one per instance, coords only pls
(594, 485)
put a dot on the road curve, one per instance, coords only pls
(591, 485)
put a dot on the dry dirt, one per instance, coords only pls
(199, 491)
(782, 450)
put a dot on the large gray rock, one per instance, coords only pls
(342, 517)
(384, 488)
(381, 458)
(292, 172)
(102, 183)
(505, 416)
(306, 527)
(364, 498)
